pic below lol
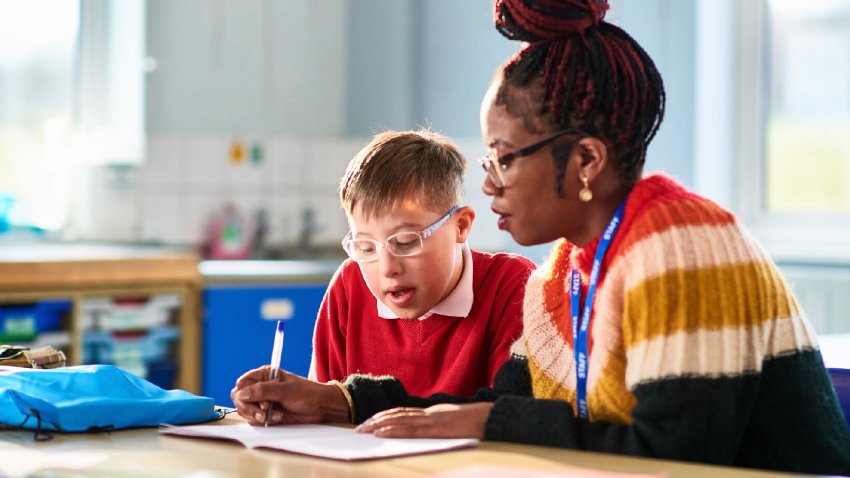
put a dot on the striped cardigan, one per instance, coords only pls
(698, 350)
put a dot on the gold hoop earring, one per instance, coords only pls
(585, 195)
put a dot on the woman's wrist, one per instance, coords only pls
(481, 412)
(339, 407)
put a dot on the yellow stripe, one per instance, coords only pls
(609, 399)
(738, 295)
(546, 388)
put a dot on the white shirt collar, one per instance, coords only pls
(459, 301)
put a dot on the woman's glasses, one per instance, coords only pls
(401, 244)
(496, 173)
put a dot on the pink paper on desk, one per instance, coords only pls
(516, 472)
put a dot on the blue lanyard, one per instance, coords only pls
(580, 332)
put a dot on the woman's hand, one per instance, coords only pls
(440, 421)
(294, 399)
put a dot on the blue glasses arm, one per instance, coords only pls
(433, 227)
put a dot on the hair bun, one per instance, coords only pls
(542, 20)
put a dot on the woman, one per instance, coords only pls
(657, 327)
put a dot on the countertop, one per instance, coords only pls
(38, 265)
(35, 264)
(227, 272)
(50, 251)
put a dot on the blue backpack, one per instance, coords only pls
(92, 398)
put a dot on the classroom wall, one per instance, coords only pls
(309, 105)
(306, 84)
(252, 67)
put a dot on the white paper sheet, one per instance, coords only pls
(320, 440)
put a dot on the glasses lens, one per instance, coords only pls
(362, 250)
(405, 244)
(489, 165)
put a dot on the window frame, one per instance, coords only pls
(788, 237)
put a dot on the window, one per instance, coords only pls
(793, 138)
(794, 126)
(71, 96)
(807, 125)
(37, 72)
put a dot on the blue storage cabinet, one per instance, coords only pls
(239, 327)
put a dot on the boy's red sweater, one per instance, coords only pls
(455, 355)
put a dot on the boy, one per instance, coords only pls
(414, 301)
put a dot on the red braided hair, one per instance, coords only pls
(594, 76)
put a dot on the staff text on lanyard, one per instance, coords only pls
(580, 329)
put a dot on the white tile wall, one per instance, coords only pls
(161, 216)
(165, 163)
(206, 161)
(327, 162)
(330, 224)
(287, 160)
(248, 205)
(285, 219)
(186, 180)
(196, 214)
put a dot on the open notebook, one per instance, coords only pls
(319, 440)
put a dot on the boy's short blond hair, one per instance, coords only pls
(400, 165)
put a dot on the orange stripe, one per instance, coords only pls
(555, 300)
(663, 216)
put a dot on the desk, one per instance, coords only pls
(144, 452)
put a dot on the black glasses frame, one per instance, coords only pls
(495, 173)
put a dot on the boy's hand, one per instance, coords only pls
(440, 421)
(294, 399)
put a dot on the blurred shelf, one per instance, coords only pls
(80, 271)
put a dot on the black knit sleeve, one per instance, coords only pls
(732, 420)
(372, 394)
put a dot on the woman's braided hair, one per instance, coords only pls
(589, 74)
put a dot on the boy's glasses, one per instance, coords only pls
(401, 244)
(496, 174)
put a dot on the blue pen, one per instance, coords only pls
(275, 364)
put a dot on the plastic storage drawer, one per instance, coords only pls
(239, 326)
(23, 322)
